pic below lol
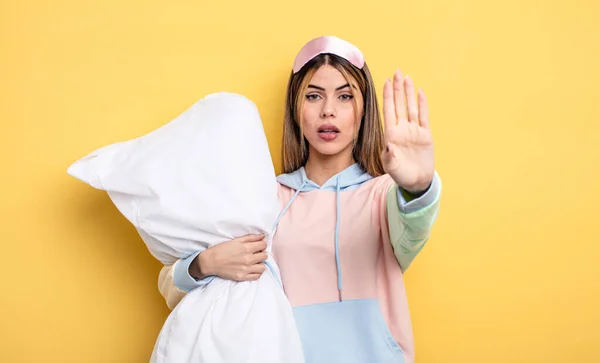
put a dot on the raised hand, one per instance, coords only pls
(408, 155)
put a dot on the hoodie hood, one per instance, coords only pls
(349, 178)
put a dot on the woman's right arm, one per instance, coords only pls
(239, 260)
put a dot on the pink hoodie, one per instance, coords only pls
(342, 249)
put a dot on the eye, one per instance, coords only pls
(312, 97)
(346, 97)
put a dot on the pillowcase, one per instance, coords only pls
(204, 178)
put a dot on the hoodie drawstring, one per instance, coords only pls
(337, 232)
(288, 205)
(337, 228)
(277, 222)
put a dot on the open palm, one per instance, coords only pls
(408, 156)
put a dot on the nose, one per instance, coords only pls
(328, 109)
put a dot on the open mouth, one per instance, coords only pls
(328, 129)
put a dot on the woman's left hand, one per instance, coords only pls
(408, 155)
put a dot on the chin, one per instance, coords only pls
(329, 148)
(328, 151)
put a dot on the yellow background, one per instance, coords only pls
(510, 273)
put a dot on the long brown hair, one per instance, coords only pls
(368, 143)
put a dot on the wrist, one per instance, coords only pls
(418, 190)
(200, 267)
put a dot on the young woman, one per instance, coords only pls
(358, 204)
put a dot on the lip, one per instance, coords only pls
(328, 132)
(328, 127)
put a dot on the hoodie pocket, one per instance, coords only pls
(352, 331)
(392, 344)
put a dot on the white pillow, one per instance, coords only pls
(204, 178)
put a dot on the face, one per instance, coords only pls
(328, 114)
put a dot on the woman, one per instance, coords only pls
(358, 205)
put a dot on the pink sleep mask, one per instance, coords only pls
(329, 44)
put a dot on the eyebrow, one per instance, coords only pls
(323, 89)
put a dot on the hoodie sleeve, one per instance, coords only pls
(167, 287)
(410, 220)
(174, 281)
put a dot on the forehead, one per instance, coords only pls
(329, 77)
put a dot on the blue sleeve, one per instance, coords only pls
(182, 278)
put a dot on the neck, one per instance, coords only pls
(320, 168)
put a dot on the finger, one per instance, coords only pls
(258, 268)
(258, 257)
(251, 277)
(389, 114)
(399, 96)
(251, 238)
(254, 247)
(411, 100)
(423, 110)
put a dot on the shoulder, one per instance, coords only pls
(284, 191)
(382, 183)
(379, 187)
(281, 186)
